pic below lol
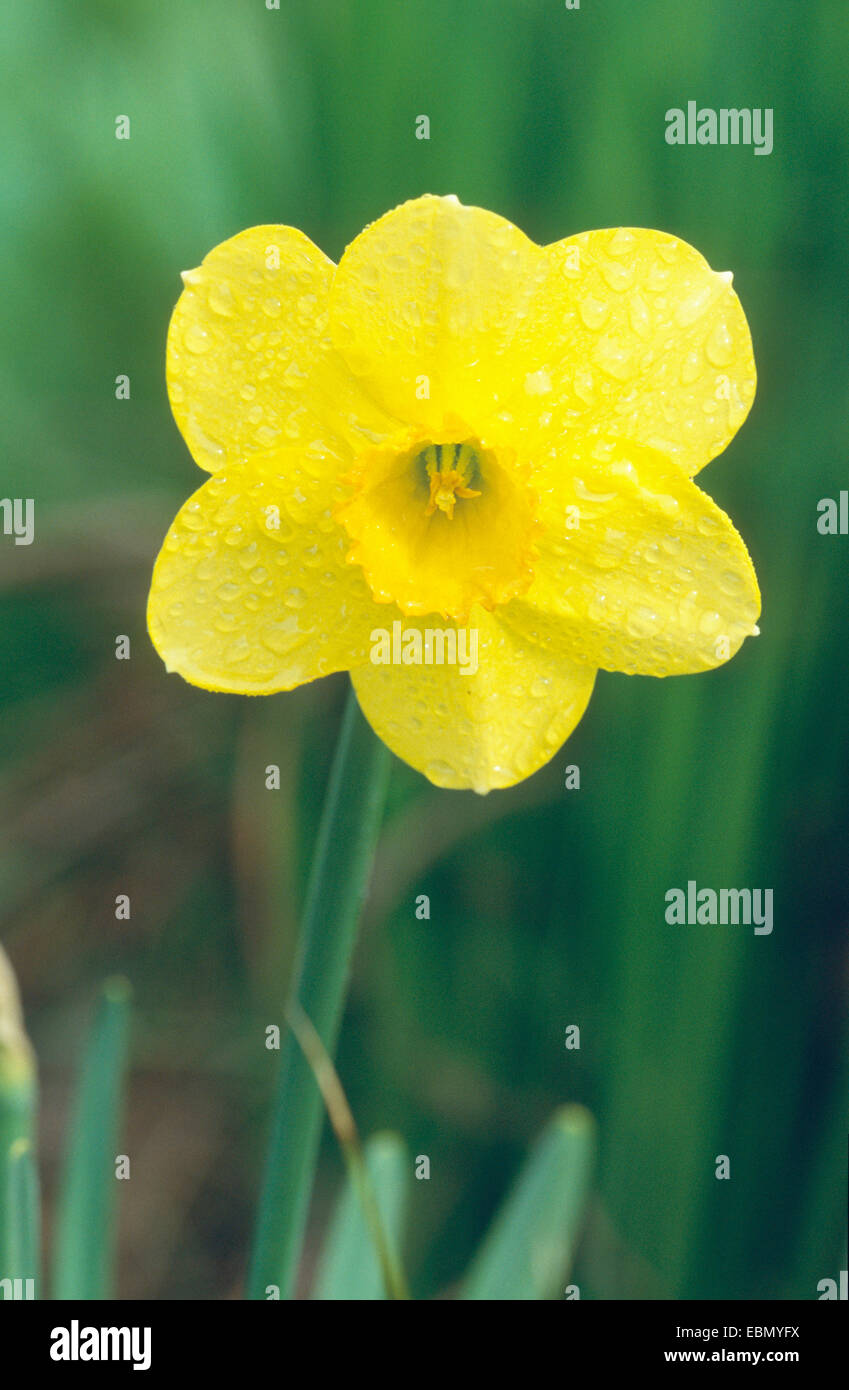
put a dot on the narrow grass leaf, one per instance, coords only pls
(83, 1256)
(349, 1268)
(20, 1256)
(530, 1246)
(18, 1098)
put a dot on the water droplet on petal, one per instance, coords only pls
(639, 314)
(221, 299)
(719, 346)
(617, 275)
(692, 367)
(197, 339)
(614, 358)
(593, 311)
(621, 242)
(710, 623)
(732, 583)
(693, 305)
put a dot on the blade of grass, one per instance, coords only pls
(530, 1246)
(341, 867)
(391, 1275)
(20, 1255)
(82, 1266)
(349, 1268)
(18, 1097)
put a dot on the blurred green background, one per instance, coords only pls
(547, 905)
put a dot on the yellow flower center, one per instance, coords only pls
(438, 526)
(447, 484)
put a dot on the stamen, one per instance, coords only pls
(449, 483)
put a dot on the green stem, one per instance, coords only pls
(340, 872)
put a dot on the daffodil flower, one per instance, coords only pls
(455, 427)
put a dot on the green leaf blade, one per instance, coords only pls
(83, 1257)
(349, 1268)
(530, 1246)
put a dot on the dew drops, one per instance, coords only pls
(639, 315)
(614, 358)
(692, 367)
(719, 346)
(693, 305)
(442, 774)
(617, 275)
(583, 385)
(586, 493)
(281, 637)
(608, 559)
(710, 623)
(238, 651)
(732, 583)
(228, 592)
(642, 623)
(221, 299)
(248, 554)
(192, 517)
(537, 383)
(622, 242)
(603, 451)
(658, 278)
(593, 311)
(197, 339)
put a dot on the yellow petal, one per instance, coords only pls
(490, 727)
(252, 593)
(637, 570)
(249, 363)
(632, 335)
(425, 302)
